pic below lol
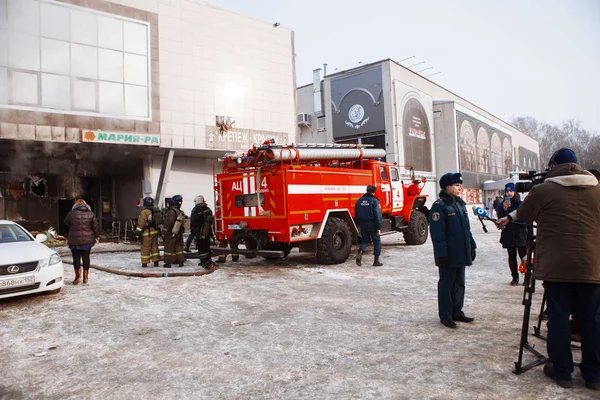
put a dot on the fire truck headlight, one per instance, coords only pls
(239, 160)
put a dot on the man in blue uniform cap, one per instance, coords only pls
(453, 248)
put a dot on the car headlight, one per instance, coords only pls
(54, 259)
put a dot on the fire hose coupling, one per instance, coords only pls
(240, 226)
(297, 231)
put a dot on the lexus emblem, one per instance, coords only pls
(13, 269)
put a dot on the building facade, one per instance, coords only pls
(421, 125)
(93, 93)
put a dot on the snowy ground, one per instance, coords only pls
(290, 329)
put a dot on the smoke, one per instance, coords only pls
(36, 157)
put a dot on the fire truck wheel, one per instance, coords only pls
(417, 229)
(335, 243)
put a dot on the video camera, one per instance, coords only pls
(534, 178)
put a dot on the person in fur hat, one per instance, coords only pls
(566, 208)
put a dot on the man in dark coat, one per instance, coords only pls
(367, 212)
(566, 208)
(497, 202)
(201, 229)
(172, 232)
(453, 248)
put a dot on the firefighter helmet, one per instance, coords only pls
(371, 189)
(148, 202)
(199, 200)
(177, 200)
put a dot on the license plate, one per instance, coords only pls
(26, 280)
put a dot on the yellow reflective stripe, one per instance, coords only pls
(179, 252)
(170, 254)
(153, 233)
(156, 254)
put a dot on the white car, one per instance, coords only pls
(26, 265)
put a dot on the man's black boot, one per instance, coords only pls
(376, 263)
(463, 318)
(359, 258)
(167, 265)
(156, 263)
(144, 265)
(449, 324)
(549, 372)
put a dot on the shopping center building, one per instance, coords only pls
(420, 124)
(97, 97)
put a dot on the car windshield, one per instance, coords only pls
(13, 233)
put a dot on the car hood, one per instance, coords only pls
(22, 252)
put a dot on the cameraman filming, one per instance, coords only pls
(566, 208)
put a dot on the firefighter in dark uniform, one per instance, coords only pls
(453, 248)
(147, 229)
(201, 227)
(367, 211)
(172, 232)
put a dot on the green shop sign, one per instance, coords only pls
(121, 138)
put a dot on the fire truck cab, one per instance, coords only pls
(274, 198)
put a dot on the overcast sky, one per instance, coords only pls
(510, 57)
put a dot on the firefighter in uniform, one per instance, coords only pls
(201, 227)
(368, 215)
(147, 229)
(453, 248)
(172, 233)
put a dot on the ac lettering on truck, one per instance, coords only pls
(237, 186)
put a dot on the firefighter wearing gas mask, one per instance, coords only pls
(148, 230)
(201, 226)
(172, 232)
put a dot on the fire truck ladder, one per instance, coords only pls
(219, 218)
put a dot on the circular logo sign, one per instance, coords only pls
(13, 269)
(356, 113)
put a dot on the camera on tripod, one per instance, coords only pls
(533, 178)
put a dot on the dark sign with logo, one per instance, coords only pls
(357, 103)
(417, 136)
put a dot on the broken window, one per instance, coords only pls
(38, 186)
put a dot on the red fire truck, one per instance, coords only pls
(274, 198)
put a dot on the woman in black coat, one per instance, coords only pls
(514, 236)
(83, 234)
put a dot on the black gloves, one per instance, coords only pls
(473, 254)
(443, 261)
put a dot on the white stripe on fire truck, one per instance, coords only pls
(252, 190)
(245, 191)
(326, 189)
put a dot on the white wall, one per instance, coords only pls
(446, 144)
(214, 62)
(189, 177)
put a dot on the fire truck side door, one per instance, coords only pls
(386, 189)
(397, 189)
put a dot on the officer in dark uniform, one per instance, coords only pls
(453, 248)
(172, 232)
(367, 211)
(201, 227)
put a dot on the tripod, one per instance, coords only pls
(527, 297)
